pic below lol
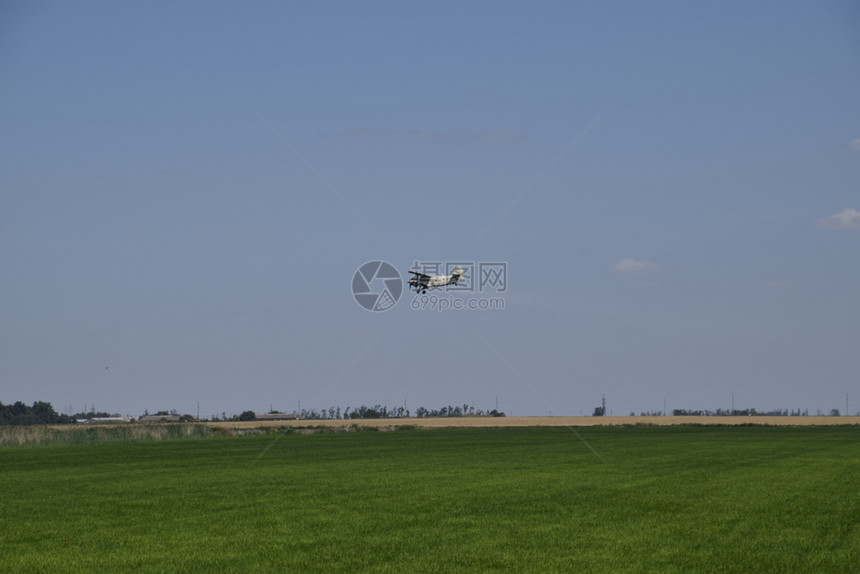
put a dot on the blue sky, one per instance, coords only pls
(186, 190)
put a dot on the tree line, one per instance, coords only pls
(40, 413)
(383, 412)
(43, 413)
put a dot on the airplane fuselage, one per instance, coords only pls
(422, 282)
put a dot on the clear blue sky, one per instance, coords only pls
(186, 189)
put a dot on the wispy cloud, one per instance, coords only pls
(854, 144)
(848, 218)
(634, 266)
(494, 138)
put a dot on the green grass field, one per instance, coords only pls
(671, 499)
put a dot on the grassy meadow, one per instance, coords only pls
(602, 499)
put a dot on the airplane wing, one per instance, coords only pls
(421, 275)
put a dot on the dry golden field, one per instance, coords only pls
(478, 422)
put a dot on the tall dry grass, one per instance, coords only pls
(11, 436)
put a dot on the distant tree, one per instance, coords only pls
(598, 412)
(365, 412)
(248, 416)
(43, 412)
(834, 412)
(311, 414)
(40, 413)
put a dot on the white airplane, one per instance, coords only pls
(421, 282)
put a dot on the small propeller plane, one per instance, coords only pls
(421, 281)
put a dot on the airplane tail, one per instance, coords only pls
(457, 274)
